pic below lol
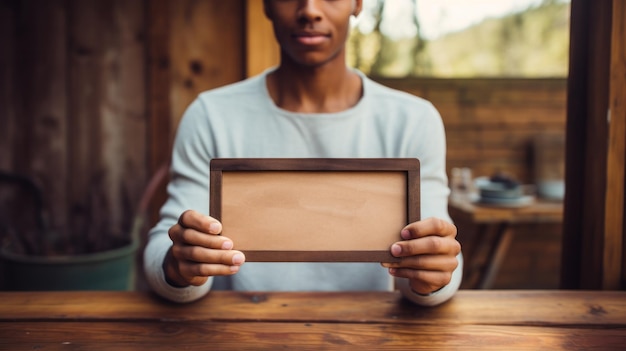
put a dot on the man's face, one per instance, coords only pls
(312, 32)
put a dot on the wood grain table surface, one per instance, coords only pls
(472, 320)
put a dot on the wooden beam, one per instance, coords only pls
(586, 139)
(614, 261)
(593, 230)
(262, 51)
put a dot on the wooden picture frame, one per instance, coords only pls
(315, 209)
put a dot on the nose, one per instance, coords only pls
(310, 11)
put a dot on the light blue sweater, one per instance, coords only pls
(241, 120)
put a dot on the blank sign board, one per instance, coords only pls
(331, 210)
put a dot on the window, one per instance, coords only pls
(461, 39)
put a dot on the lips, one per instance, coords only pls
(311, 38)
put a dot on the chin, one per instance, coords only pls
(313, 61)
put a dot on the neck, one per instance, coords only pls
(322, 89)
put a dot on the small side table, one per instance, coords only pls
(500, 219)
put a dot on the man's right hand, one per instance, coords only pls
(199, 251)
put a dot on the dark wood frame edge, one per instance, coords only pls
(409, 165)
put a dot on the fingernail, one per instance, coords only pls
(238, 259)
(392, 271)
(214, 228)
(234, 269)
(405, 234)
(396, 250)
(227, 245)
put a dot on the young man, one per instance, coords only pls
(311, 105)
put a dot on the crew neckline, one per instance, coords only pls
(319, 115)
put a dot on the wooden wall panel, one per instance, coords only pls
(193, 46)
(158, 81)
(159, 107)
(123, 113)
(76, 111)
(491, 123)
(107, 95)
(7, 70)
(206, 46)
(40, 80)
(85, 94)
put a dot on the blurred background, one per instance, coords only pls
(91, 93)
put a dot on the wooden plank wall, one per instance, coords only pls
(206, 46)
(91, 92)
(73, 102)
(193, 46)
(491, 124)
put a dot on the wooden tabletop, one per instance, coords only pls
(472, 320)
(535, 212)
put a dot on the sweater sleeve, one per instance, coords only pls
(438, 297)
(187, 189)
(153, 263)
(431, 147)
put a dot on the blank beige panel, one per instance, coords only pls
(314, 215)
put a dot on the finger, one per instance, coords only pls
(426, 262)
(194, 237)
(429, 226)
(191, 219)
(198, 273)
(196, 264)
(197, 254)
(429, 245)
(192, 271)
(423, 281)
(197, 281)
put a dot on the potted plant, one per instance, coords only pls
(33, 256)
